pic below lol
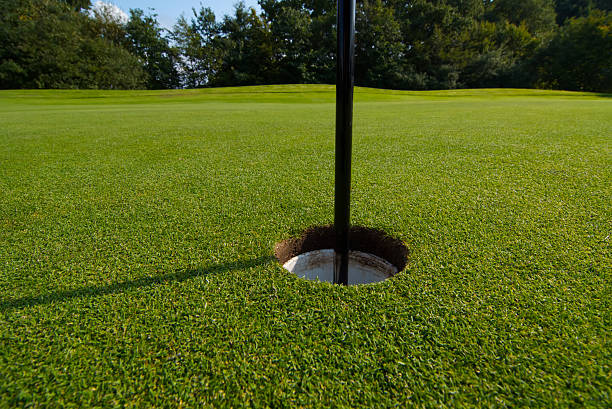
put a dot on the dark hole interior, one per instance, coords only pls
(363, 239)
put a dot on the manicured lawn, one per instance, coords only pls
(137, 233)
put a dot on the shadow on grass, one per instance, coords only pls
(97, 291)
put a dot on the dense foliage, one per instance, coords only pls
(46, 44)
(401, 44)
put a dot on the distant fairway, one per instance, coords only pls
(137, 233)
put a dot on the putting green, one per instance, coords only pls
(137, 233)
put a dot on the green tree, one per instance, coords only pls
(430, 30)
(248, 50)
(538, 16)
(579, 57)
(77, 5)
(145, 40)
(293, 51)
(304, 38)
(104, 23)
(378, 46)
(491, 55)
(197, 42)
(567, 9)
(46, 44)
(106, 66)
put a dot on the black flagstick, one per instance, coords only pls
(344, 135)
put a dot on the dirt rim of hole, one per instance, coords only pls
(364, 239)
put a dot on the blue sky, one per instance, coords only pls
(169, 10)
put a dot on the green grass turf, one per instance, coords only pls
(137, 228)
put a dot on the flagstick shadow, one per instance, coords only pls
(114, 288)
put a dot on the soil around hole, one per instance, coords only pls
(364, 239)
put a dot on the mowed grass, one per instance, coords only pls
(137, 233)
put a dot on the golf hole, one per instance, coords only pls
(374, 256)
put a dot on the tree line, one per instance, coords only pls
(400, 44)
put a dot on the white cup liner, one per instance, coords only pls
(318, 265)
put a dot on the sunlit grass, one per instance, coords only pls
(137, 232)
